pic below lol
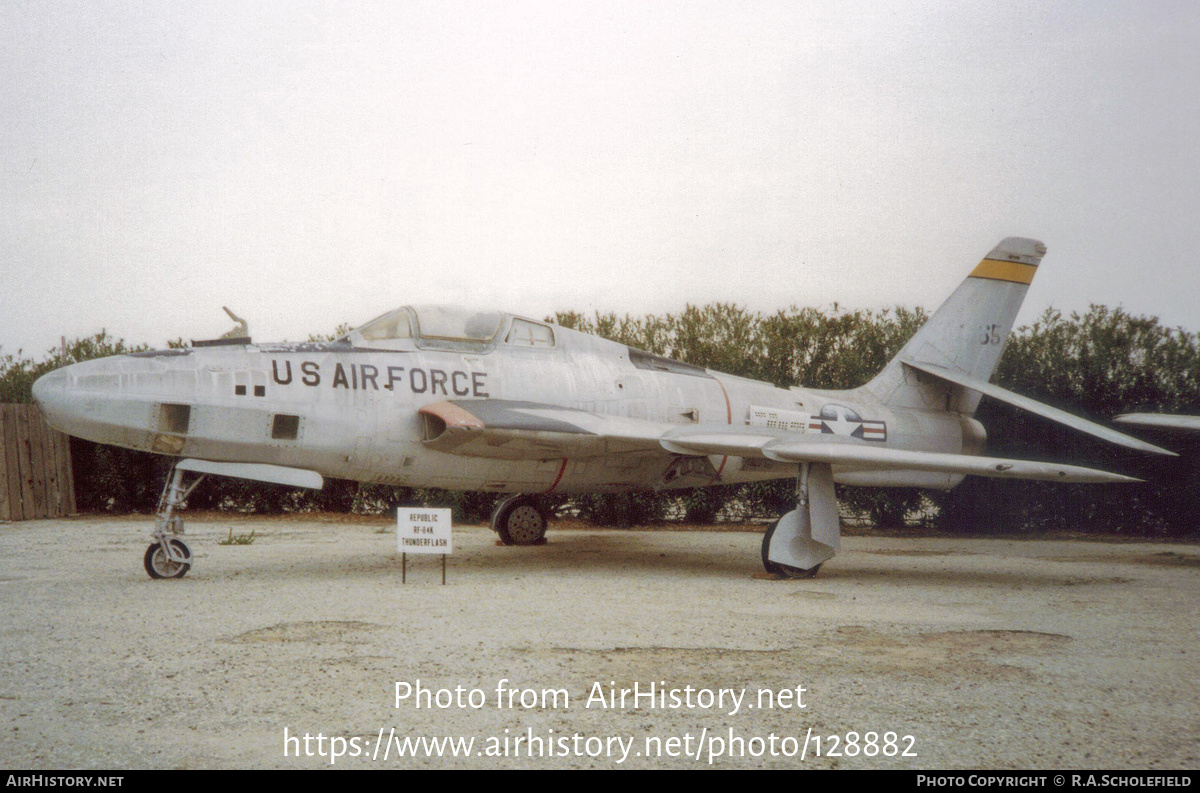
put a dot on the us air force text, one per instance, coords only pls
(368, 377)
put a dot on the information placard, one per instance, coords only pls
(421, 530)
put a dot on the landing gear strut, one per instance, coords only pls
(796, 544)
(520, 520)
(168, 556)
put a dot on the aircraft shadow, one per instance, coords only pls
(620, 554)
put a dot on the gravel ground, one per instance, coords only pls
(974, 652)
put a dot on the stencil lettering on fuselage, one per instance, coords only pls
(369, 377)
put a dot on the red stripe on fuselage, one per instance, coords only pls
(562, 469)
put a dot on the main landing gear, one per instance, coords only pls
(796, 544)
(520, 520)
(782, 570)
(168, 556)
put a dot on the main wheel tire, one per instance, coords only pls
(159, 565)
(768, 565)
(520, 520)
(782, 570)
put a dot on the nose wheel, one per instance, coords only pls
(168, 556)
(168, 560)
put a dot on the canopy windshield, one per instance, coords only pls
(451, 323)
(392, 325)
(432, 327)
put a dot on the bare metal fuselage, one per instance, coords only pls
(352, 412)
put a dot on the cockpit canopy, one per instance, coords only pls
(435, 327)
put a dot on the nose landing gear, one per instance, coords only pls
(172, 562)
(168, 556)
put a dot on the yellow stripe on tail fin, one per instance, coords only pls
(967, 333)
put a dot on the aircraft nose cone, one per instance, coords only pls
(49, 394)
(110, 400)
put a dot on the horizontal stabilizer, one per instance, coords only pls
(1163, 421)
(259, 472)
(1033, 406)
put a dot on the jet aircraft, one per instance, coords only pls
(446, 397)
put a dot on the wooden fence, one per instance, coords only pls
(35, 467)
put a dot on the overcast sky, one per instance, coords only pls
(312, 163)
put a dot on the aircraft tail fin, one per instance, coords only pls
(966, 334)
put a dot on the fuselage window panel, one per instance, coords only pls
(393, 325)
(451, 323)
(174, 418)
(530, 334)
(285, 427)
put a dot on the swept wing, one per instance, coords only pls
(529, 430)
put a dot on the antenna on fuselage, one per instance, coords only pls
(238, 335)
(242, 331)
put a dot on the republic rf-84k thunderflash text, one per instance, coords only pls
(435, 396)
